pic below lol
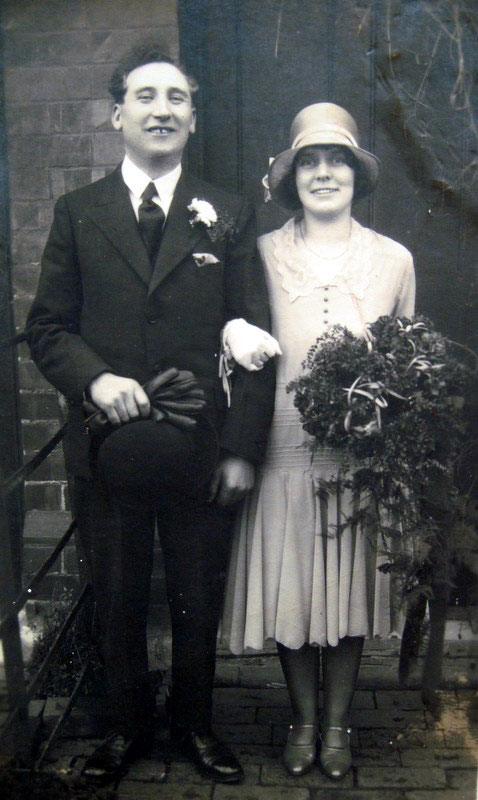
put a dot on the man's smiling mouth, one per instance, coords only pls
(159, 130)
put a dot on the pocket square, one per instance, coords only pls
(203, 259)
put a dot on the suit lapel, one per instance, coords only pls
(114, 214)
(179, 236)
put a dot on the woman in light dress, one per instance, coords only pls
(293, 578)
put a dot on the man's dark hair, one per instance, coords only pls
(139, 55)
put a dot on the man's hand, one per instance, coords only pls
(122, 399)
(233, 477)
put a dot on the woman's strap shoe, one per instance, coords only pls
(335, 755)
(300, 758)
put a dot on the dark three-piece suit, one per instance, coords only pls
(101, 306)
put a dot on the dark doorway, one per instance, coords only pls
(404, 70)
(396, 67)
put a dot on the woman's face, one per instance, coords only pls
(325, 180)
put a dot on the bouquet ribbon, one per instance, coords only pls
(175, 397)
(373, 391)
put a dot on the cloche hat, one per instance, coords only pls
(320, 123)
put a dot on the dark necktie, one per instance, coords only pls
(151, 220)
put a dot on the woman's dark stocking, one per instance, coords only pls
(341, 665)
(340, 671)
(301, 670)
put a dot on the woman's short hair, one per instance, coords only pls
(288, 184)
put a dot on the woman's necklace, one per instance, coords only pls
(327, 257)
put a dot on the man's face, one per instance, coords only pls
(156, 117)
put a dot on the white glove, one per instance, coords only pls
(249, 345)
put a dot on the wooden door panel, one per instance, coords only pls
(403, 69)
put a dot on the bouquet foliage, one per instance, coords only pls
(393, 403)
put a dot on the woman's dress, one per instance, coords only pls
(293, 577)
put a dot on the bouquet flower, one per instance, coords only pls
(393, 403)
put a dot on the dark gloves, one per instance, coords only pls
(174, 395)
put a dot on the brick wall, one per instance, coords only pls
(58, 56)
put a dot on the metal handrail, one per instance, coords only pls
(42, 672)
(17, 339)
(25, 594)
(16, 478)
(11, 607)
(66, 713)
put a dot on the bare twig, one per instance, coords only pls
(279, 23)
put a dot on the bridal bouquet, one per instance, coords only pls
(392, 401)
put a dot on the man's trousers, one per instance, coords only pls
(151, 473)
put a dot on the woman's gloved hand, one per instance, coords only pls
(249, 345)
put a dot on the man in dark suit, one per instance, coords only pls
(120, 299)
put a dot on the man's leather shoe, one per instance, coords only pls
(212, 758)
(110, 760)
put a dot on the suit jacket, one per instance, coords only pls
(99, 306)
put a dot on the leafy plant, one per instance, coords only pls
(74, 650)
(393, 403)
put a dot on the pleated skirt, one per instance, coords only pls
(298, 572)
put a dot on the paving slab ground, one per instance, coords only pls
(401, 752)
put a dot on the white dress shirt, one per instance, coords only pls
(136, 180)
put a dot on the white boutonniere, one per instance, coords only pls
(216, 223)
(203, 212)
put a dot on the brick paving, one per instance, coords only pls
(401, 751)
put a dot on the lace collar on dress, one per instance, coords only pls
(299, 280)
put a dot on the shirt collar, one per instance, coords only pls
(136, 180)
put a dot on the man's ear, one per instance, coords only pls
(192, 127)
(116, 117)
